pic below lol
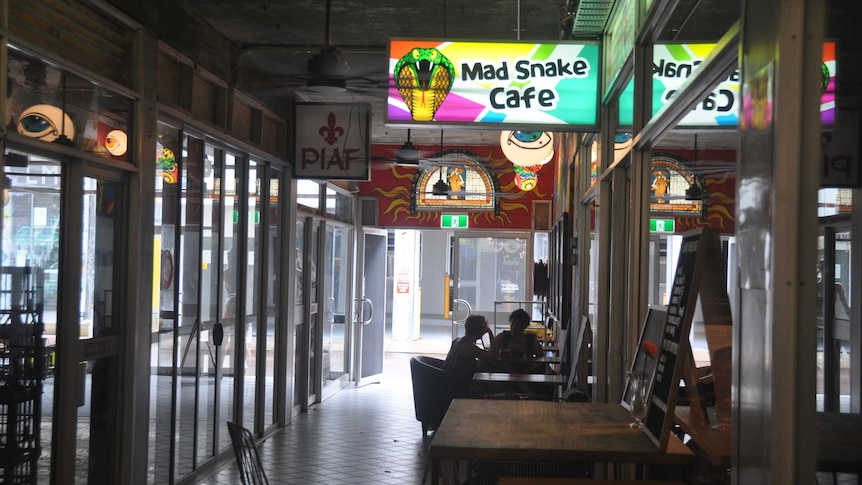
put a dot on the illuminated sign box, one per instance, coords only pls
(332, 141)
(460, 221)
(674, 63)
(553, 85)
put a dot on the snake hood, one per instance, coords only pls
(424, 77)
(425, 65)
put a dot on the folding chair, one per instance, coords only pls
(247, 460)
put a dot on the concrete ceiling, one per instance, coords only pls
(275, 40)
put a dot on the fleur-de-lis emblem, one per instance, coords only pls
(331, 133)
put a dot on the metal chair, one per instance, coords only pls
(247, 459)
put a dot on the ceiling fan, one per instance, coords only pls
(326, 72)
(329, 71)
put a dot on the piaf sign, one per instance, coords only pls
(494, 83)
(332, 141)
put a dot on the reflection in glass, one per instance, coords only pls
(273, 302)
(97, 418)
(229, 258)
(188, 325)
(252, 296)
(165, 219)
(31, 237)
(492, 270)
(308, 195)
(47, 104)
(298, 320)
(209, 308)
(335, 307)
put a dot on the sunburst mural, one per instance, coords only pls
(405, 194)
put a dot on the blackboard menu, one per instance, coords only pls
(674, 341)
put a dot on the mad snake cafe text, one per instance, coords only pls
(524, 70)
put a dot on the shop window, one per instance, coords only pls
(52, 105)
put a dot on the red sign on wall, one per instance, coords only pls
(402, 287)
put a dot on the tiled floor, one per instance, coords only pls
(366, 435)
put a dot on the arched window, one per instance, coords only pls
(458, 181)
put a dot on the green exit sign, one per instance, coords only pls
(450, 221)
(236, 217)
(661, 225)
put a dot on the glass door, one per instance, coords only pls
(370, 306)
(834, 316)
(32, 213)
(335, 286)
(490, 273)
(300, 327)
(99, 330)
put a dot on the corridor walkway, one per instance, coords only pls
(367, 435)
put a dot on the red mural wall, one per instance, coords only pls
(392, 186)
(720, 190)
(720, 193)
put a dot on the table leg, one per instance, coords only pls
(435, 471)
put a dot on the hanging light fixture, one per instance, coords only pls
(441, 187)
(407, 154)
(528, 148)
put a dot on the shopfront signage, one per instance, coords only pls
(493, 83)
(332, 141)
(454, 222)
(674, 63)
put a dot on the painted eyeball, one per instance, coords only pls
(45, 122)
(527, 148)
(622, 141)
(116, 143)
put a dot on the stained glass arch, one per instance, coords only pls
(459, 181)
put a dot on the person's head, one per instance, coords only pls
(519, 320)
(475, 325)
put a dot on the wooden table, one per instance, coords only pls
(714, 442)
(839, 438)
(475, 429)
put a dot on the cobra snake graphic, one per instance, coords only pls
(424, 77)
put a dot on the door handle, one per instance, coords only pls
(455, 322)
(360, 307)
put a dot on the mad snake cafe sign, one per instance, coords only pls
(673, 64)
(512, 83)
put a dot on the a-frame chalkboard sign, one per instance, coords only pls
(699, 257)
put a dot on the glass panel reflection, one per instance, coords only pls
(335, 311)
(31, 239)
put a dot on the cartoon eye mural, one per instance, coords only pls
(45, 122)
(116, 143)
(527, 148)
(423, 78)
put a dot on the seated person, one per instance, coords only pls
(464, 354)
(516, 341)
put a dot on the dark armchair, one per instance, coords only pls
(433, 390)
